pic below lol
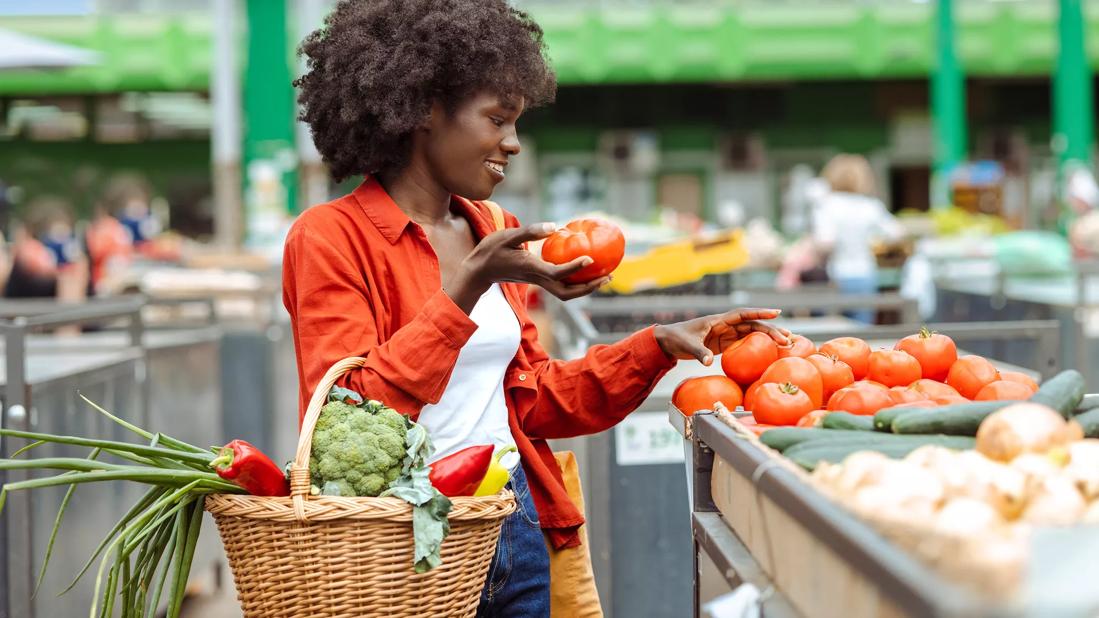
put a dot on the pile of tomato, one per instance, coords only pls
(799, 383)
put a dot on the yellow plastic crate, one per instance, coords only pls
(680, 262)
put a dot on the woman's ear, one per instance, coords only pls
(435, 113)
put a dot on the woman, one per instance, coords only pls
(422, 98)
(845, 223)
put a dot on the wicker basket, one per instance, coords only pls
(331, 557)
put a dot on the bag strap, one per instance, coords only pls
(497, 214)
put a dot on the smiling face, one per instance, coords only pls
(467, 150)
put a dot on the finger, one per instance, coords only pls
(519, 235)
(780, 336)
(701, 352)
(560, 271)
(738, 316)
(566, 291)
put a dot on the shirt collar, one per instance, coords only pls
(391, 221)
(381, 209)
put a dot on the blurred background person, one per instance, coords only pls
(47, 260)
(845, 223)
(109, 241)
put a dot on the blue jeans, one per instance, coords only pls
(518, 581)
(859, 285)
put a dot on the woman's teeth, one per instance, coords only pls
(496, 167)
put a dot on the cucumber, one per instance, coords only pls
(809, 454)
(1063, 392)
(782, 438)
(846, 420)
(1090, 422)
(1089, 402)
(883, 419)
(960, 419)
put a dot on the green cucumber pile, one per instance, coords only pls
(895, 432)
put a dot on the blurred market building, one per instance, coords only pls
(702, 107)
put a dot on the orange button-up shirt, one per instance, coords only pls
(361, 279)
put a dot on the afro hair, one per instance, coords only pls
(377, 66)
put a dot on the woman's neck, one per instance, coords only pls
(416, 193)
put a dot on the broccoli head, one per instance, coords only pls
(358, 449)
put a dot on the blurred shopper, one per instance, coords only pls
(47, 260)
(110, 242)
(845, 223)
(415, 272)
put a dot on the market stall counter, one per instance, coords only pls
(761, 520)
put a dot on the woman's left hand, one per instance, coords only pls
(703, 337)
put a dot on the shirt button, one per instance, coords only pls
(522, 377)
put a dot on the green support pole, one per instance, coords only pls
(947, 106)
(270, 160)
(1072, 97)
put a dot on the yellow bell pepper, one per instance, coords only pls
(497, 475)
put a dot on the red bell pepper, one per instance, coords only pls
(460, 474)
(247, 467)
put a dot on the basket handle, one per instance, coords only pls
(299, 471)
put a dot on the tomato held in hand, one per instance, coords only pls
(600, 240)
(1002, 390)
(893, 368)
(799, 372)
(935, 352)
(969, 374)
(746, 359)
(851, 350)
(860, 400)
(799, 346)
(781, 404)
(694, 394)
(1021, 378)
(834, 373)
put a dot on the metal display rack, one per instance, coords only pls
(165, 376)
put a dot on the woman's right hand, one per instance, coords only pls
(500, 256)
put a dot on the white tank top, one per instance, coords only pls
(472, 409)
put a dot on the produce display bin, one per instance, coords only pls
(620, 485)
(760, 522)
(1071, 299)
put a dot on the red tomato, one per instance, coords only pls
(781, 404)
(869, 384)
(1021, 378)
(600, 240)
(949, 400)
(905, 394)
(969, 374)
(914, 404)
(893, 368)
(834, 373)
(798, 372)
(813, 419)
(746, 359)
(750, 396)
(934, 352)
(694, 394)
(750, 423)
(1001, 390)
(932, 389)
(851, 350)
(799, 346)
(860, 400)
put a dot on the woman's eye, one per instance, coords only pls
(497, 121)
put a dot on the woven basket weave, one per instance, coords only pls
(332, 557)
